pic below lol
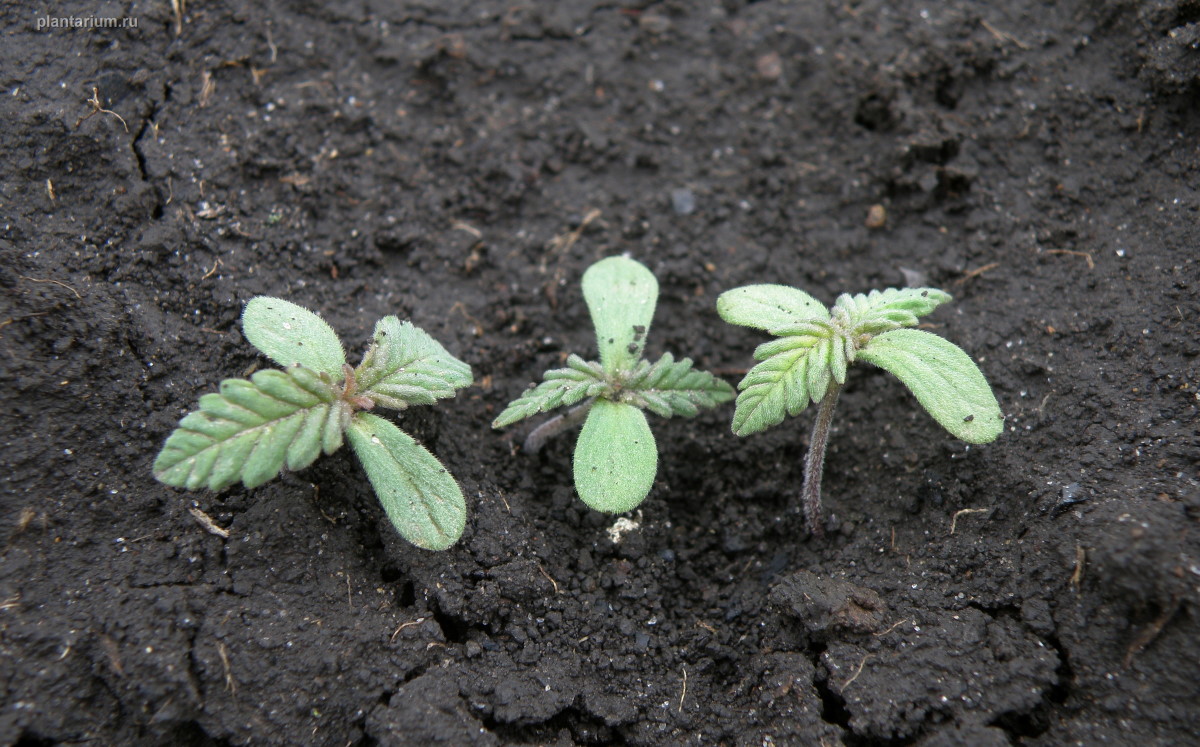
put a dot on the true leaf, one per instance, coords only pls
(253, 429)
(615, 458)
(621, 294)
(769, 306)
(561, 387)
(406, 366)
(672, 387)
(880, 311)
(944, 379)
(420, 497)
(292, 335)
(780, 384)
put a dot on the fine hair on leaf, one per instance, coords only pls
(814, 346)
(251, 430)
(616, 457)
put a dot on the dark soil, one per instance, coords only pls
(461, 164)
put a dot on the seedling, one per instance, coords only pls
(815, 345)
(253, 429)
(616, 457)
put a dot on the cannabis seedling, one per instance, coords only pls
(815, 345)
(616, 457)
(252, 429)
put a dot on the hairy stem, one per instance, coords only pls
(814, 463)
(556, 425)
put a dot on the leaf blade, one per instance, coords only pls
(247, 432)
(676, 388)
(616, 457)
(944, 379)
(406, 365)
(769, 306)
(621, 294)
(420, 498)
(560, 387)
(292, 335)
(893, 308)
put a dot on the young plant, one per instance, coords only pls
(251, 430)
(616, 457)
(808, 362)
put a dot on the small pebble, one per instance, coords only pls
(683, 201)
(769, 66)
(876, 216)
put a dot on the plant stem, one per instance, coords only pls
(814, 463)
(556, 425)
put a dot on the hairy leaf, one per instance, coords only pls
(405, 366)
(420, 497)
(793, 370)
(769, 307)
(671, 387)
(881, 311)
(615, 458)
(621, 294)
(292, 335)
(944, 379)
(562, 386)
(253, 429)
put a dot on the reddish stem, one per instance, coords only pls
(814, 463)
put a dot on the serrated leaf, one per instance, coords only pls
(671, 387)
(561, 386)
(621, 295)
(793, 371)
(768, 306)
(406, 366)
(420, 497)
(253, 429)
(881, 311)
(944, 379)
(616, 458)
(819, 372)
(292, 335)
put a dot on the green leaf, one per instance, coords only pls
(292, 335)
(615, 458)
(621, 294)
(253, 429)
(794, 370)
(405, 366)
(420, 497)
(562, 386)
(769, 307)
(881, 311)
(671, 387)
(944, 379)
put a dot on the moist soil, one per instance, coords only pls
(460, 164)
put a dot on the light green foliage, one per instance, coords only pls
(420, 497)
(945, 380)
(560, 387)
(616, 457)
(621, 294)
(814, 348)
(670, 387)
(292, 335)
(405, 366)
(769, 306)
(252, 430)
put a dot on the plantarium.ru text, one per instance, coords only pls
(252, 429)
(808, 362)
